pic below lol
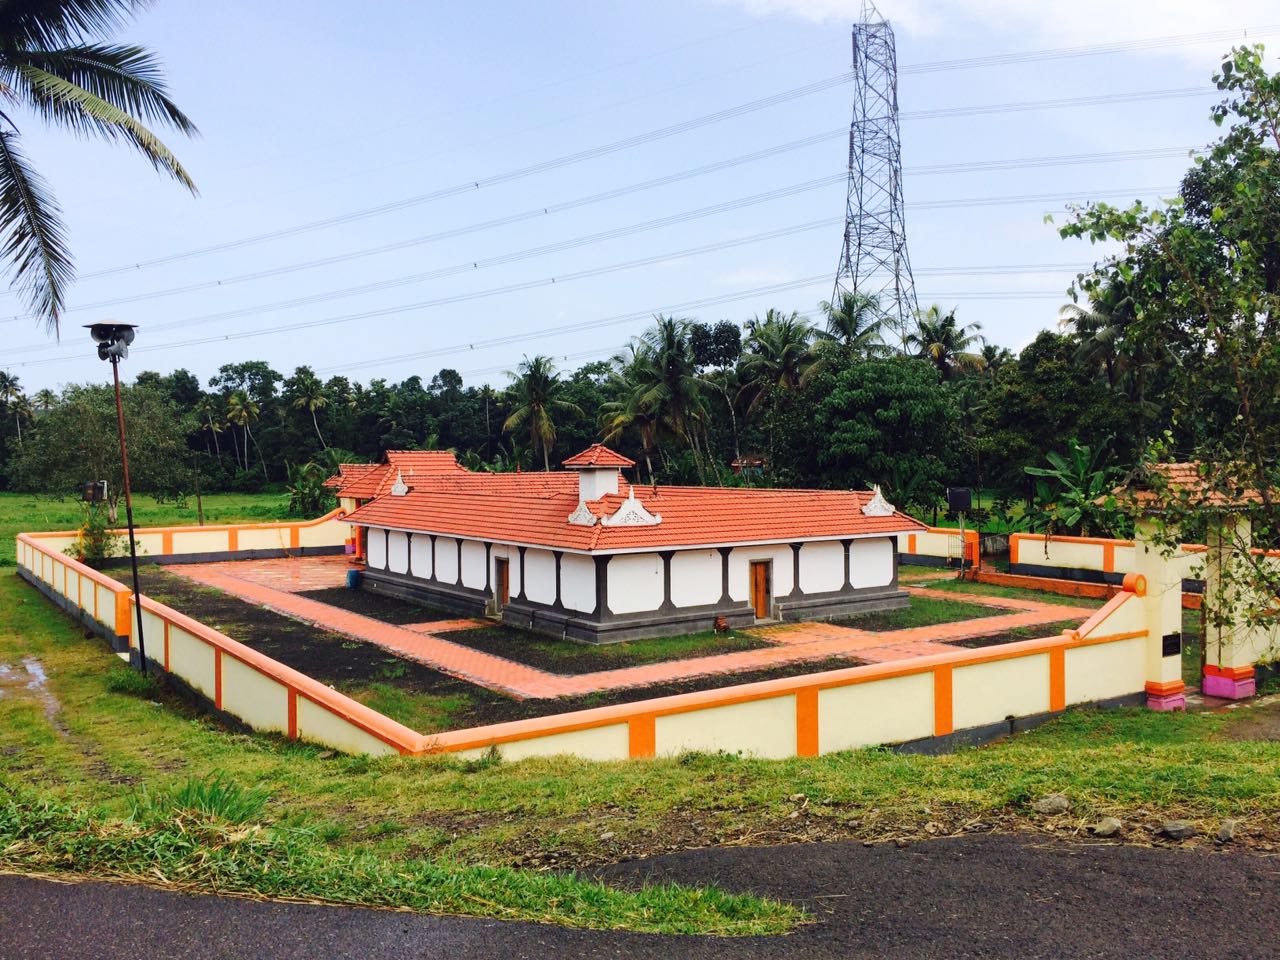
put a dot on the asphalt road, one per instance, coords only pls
(989, 897)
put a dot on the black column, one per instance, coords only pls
(601, 611)
(667, 606)
(559, 604)
(795, 570)
(434, 572)
(847, 581)
(408, 562)
(521, 595)
(724, 574)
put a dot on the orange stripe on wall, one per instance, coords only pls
(641, 736)
(911, 543)
(1108, 557)
(122, 615)
(295, 537)
(166, 542)
(233, 540)
(217, 677)
(943, 715)
(293, 714)
(807, 722)
(166, 646)
(1058, 679)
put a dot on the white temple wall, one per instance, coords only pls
(696, 577)
(635, 582)
(578, 582)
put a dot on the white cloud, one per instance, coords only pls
(1048, 23)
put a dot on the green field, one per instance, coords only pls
(24, 512)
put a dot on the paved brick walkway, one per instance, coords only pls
(275, 584)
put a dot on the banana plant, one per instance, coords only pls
(1072, 492)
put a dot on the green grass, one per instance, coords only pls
(921, 612)
(27, 512)
(446, 834)
(417, 711)
(1013, 593)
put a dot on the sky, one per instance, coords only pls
(387, 189)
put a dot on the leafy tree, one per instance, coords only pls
(1072, 493)
(890, 422)
(77, 440)
(535, 391)
(55, 61)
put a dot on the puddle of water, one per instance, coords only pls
(33, 678)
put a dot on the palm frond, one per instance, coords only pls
(128, 77)
(32, 235)
(84, 112)
(51, 23)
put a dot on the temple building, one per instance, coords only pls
(585, 554)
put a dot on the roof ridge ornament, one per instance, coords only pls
(582, 517)
(878, 506)
(632, 513)
(399, 488)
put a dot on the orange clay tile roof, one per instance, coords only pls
(348, 472)
(371, 480)
(598, 455)
(533, 508)
(1190, 484)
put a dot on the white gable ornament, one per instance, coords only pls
(632, 513)
(582, 517)
(878, 506)
(399, 489)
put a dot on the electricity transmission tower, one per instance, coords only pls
(874, 260)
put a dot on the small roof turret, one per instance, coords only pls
(598, 456)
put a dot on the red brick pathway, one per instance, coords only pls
(275, 584)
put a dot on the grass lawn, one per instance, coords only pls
(96, 775)
(1014, 593)
(26, 512)
(920, 612)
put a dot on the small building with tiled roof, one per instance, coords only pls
(583, 553)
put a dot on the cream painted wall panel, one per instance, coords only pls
(989, 692)
(331, 533)
(821, 567)
(740, 573)
(1126, 619)
(539, 576)
(1105, 670)
(153, 627)
(696, 577)
(106, 606)
(473, 571)
(192, 660)
(881, 711)
(578, 582)
(446, 559)
(420, 555)
(598, 743)
(149, 544)
(255, 698)
(870, 563)
(271, 538)
(763, 728)
(635, 582)
(318, 725)
(377, 549)
(200, 541)
(397, 551)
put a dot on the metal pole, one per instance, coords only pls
(128, 513)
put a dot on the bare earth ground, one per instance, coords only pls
(1004, 897)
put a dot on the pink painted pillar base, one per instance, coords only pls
(1228, 688)
(1172, 701)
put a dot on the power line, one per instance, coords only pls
(472, 185)
(963, 202)
(538, 212)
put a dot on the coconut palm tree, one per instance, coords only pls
(944, 342)
(10, 394)
(44, 400)
(777, 352)
(855, 328)
(1099, 328)
(631, 406)
(205, 410)
(309, 394)
(55, 61)
(242, 412)
(535, 389)
(675, 391)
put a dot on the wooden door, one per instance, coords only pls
(760, 599)
(502, 581)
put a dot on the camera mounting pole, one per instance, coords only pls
(113, 341)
